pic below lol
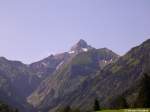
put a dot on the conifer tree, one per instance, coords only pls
(96, 105)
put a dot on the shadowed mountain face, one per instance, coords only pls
(48, 65)
(17, 81)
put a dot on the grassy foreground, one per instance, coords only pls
(126, 110)
(111, 111)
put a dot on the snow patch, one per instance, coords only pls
(71, 52)
(40, 76)
(58, 66)
(111, 60)
(85, 49)
(105, 61)
(44, 64)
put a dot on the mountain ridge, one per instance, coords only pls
(83, 73)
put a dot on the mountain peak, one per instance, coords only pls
(82, 43)
(80, 46)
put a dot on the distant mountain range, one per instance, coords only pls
(76, 78)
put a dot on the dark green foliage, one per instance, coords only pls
(7, 108)
(76, 110)
(138, 95)
(119, 102)
(143, 99)
(68, 109)
(64, 109)
(96, 106)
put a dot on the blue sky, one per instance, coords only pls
(33, 29)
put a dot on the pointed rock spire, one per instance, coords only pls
(80, 46)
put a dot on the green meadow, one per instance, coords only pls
(126, 110)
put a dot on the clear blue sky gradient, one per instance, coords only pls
(33, 29)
